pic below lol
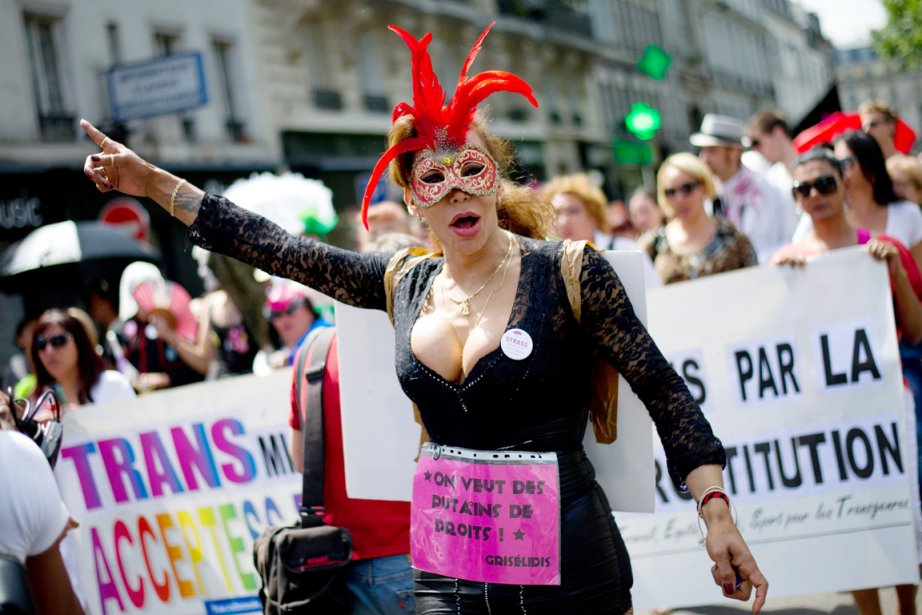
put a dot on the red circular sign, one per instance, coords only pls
(129, 215)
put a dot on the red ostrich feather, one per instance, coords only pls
(437, 124)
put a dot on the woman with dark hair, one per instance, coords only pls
(819, 190)
(495, 337)
(66, 362)
(872, 203)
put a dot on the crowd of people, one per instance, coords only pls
(466, 258)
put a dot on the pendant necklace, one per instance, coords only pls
(465, 304)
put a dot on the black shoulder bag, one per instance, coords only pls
(300, 565)
(47, 435)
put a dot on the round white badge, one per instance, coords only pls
(516, 344)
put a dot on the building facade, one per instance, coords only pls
(57, 55)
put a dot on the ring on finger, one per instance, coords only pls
(112, 159)
(103, 144)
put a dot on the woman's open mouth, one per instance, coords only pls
(465, 224)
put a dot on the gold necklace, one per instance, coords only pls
(502, 282)
(465, 304)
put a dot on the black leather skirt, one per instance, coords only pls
(595, 569)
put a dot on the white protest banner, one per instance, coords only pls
(172, 489)
(381, 439)
(798, 372)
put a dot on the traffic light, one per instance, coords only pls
(628, 151)
(654, 62)
(643, 121)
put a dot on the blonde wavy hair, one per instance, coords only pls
(580, 186)
(909, 166)
(518, 209)
(690, 165)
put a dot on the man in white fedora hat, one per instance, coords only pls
(761, 211)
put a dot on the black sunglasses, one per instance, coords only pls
(686, 189)
(57, 340)
(826, 184)
(291, 309)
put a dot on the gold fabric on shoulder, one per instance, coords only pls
(397, 267)
(603, 408)
(571, 265)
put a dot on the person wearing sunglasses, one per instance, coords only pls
(692, 244)
(819, 189)
(770, 135)
(66, 361)
(872, 201)
(290, 312)
(879, 119)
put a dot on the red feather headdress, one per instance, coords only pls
(437, 124)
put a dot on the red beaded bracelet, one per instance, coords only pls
(709, 494)
(715, 494)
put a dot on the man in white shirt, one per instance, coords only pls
(758, 209)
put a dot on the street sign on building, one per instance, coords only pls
(168, 84)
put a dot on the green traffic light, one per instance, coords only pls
(654, 62)
(643, 121)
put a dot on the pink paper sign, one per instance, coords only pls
(487, 516)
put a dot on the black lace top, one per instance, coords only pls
(539, 403)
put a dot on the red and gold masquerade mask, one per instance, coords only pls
(441, 130)
(435, 174)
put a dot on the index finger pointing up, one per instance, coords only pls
(93, 133)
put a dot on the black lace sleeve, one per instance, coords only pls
(350, 277)
(620, 338)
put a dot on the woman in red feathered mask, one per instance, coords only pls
(496, 334)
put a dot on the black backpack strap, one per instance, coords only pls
(310, 365)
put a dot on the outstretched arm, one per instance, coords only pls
(218, 225)
(118, 168)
